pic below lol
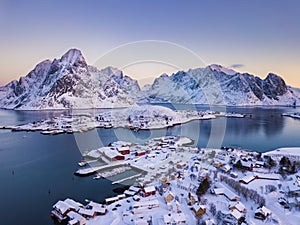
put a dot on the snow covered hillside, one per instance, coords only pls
(218, 85)
(69, 82)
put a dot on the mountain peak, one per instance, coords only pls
(223, 69)
(73, 57)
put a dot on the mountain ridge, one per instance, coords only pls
(69, 82)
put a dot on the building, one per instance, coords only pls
(146, 204)
(140, 153)
(169, 196)
(245, 165)
(262, 213)
(123, 150)
(227, 193)
(247, 179)
(226, 168)
(60, 211)
(75, 219)
(114, 155)
(87, 213)
(234, 216)
(62, 208)
(97, 208)
(174, 218)
(199, 210)
(111, 200)
(149, 191)
(174, 206)
(237, 206)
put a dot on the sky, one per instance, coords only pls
(251, 36)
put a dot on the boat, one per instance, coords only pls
(82, 163)
(98, 176)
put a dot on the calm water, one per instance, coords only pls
(32, 164)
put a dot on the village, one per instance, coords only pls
(180, 184)
(136, 118)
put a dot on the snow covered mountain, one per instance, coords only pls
(69, 82)
(219, 85)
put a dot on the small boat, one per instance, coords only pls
(98, 176)
(82, 163)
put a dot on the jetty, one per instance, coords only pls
(93, 170)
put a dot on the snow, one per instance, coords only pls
(69, 82)
(220, 68)
(155, 208)
(290, 152)
(149, 189)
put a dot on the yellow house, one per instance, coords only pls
(199, 210)
(169, 196)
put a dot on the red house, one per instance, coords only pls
(113, 155)
(124, 150)
(140, 153)
(149, 191)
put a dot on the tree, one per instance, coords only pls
(270, 162)
(282, 161)
(258, 156)
(293, 168)
(239, 164)
(203, 187)
(213, 209)
(219, 217)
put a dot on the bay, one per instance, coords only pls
(37, 170)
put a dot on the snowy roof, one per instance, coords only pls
(246, 164)
(122, 148)
(73, 222)
(130, 193)
(261, 163)
(75, 216)
(134, 189)
(236, 214)
(247, 179)
(197, 207)
(97, 207)
(229, 194)
(166, 194)
(238, 205)
(87, 212)
(149, 189)
(264, 211)
(153, 202)
(95, 204)
(141, 222)
(112, 154)
(62, 207)
(179, 217)
(226, 167)
(121, 196)
(268, 176)
(75, 205)
(112, 199)
(219, 191)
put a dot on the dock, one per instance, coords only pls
(93, 170)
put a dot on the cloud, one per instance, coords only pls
(236, 66)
